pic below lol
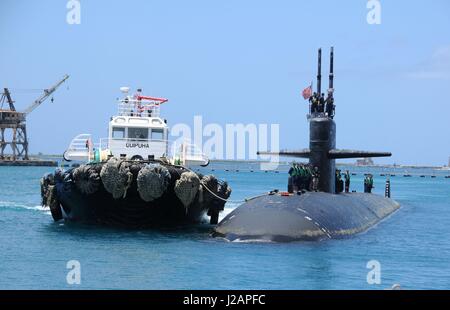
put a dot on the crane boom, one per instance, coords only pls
(7, 95)
(45, 95)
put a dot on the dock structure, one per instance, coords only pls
(14, 122)
(13, 130)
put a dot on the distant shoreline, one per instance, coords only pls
(59, 157)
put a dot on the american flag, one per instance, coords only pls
(307, 92)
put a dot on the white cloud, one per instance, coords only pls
(437, 67)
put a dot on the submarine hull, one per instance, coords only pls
(310, 216)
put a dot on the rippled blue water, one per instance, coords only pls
(412, 246)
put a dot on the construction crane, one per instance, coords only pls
(15, 122)
(44, 96)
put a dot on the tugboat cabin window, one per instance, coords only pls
(118, 133)
(157, 134)
(137, 133)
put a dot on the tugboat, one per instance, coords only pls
(321, 211)
(134, 178)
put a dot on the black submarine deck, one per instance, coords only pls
(309, 216)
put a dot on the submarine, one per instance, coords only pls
(322, 213)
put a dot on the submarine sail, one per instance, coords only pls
(322, 150)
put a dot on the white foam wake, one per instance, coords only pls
(18, 205)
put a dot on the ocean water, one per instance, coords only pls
(412, 246)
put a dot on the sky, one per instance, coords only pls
(237, 62)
